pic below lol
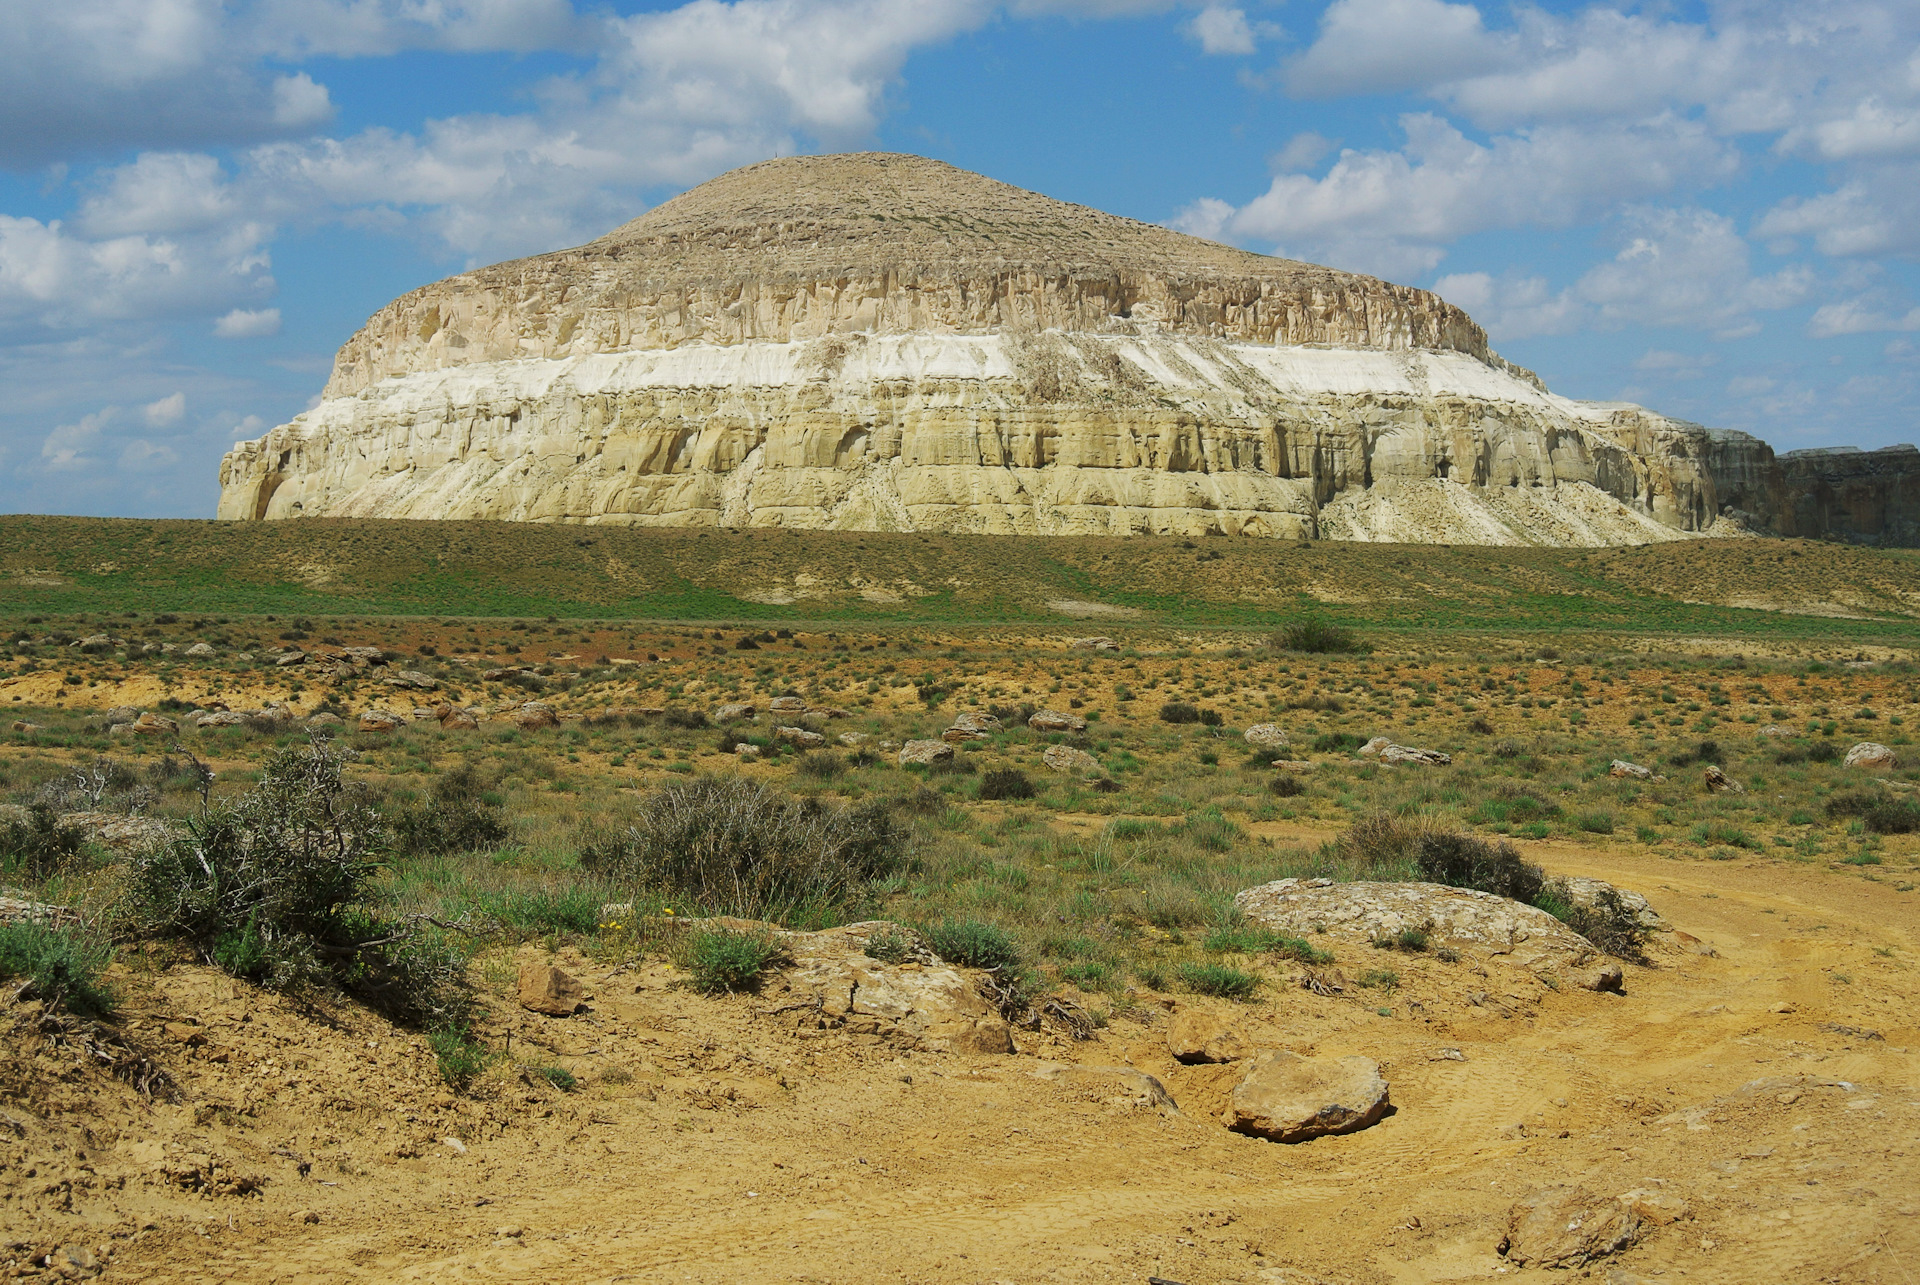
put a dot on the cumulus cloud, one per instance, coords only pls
(1682, 268)
(1222, 30)
(1395, 212)
(244, 323)
(1372, 46)
(1859, 317)
(167, 410)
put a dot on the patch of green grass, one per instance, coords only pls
(60, 966)
(1218, 980)
(973, 944)
(724, 959)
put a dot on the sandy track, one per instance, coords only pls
(742, 1150)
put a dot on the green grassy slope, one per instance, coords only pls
(334, 567)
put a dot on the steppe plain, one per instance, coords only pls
(1755, 1072)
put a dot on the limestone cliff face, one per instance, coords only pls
(884, 342)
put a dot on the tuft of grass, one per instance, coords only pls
(1218, 980)
(559, 1077)
(973, 944)
(889, 946)
(1384, 979)
(61, 966)
(460, 1055)
(726, 959)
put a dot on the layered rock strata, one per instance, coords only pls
(887, 343)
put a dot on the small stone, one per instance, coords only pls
(1603, 977)
(121, 714)
(1292, 765)
(1631, 771)
(733, 713)
(1567, 1227)
(545, 989)
(1773, 729)
(307, 1217)
(291, 658)
(1655, 1206)
(1095, 644)
(455, 719)
(745, 751)
(200, 649)
(1718, 782)
(454, 1145)
(148, 723)
(971, 726)
(925, 752)
(1289, 1098)
(799, 736)
(787, 705)
(1195, 1036)
(854, 739)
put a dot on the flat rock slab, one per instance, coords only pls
(1196, 1036)
(1567, 1227)
(1285, 1097)
(545, 989)
(1364, 911)
(1064, 758)
(925, 752)
(919, 1003)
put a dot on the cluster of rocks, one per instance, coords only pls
(1570, 1226)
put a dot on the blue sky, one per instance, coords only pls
(1711, 209)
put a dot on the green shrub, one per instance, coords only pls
(1705, 832)
(1005, 783)
(559, 1077)
(1606, 922)
(39, 846)
(1879, 812)
(737, 846)
(821, 765)
(1179, 712)
(973, 944)
(1250, 941)
(270, 887)
(461, 814)
(1336, 743)
(1316, 637)
(1218, 980)
(1595, 822)
(61, 966)
(724, 959)
(1286, 786)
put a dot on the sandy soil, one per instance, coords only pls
(1762, 1074)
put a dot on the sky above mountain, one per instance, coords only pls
(1710, 209)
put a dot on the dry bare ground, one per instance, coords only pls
(1761, 1075)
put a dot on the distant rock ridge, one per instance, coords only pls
(881, 342)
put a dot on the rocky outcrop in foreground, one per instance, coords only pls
(877, 342)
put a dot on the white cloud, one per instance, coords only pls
(168, 410)
(1222, 30)
(65, 448)
(1395, 212)
(1372, 46)
(1302, 152)
(242, 323)
(1858, 317)
(1682, 268)
(52, 278)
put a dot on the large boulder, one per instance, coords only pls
(787, 705)
(1285, 1097)
(533, 715)
(380, 720)
(1718, 782)
(413, 679)
(121, 714)
(1055, 720)
(117, 831)
(1590, 894)
(1871, 755)
(1266, 736)
(1567, 1227)
(1632, 771)
(1064, 758)
(918, 1003)
(732, 713)
(1367, 911)
(925, 752)
(799, 736)
(1387, 752)
(148, 723)
(971, 726)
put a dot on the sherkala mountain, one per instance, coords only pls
(883, 342)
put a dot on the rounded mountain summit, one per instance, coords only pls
(883, 342)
